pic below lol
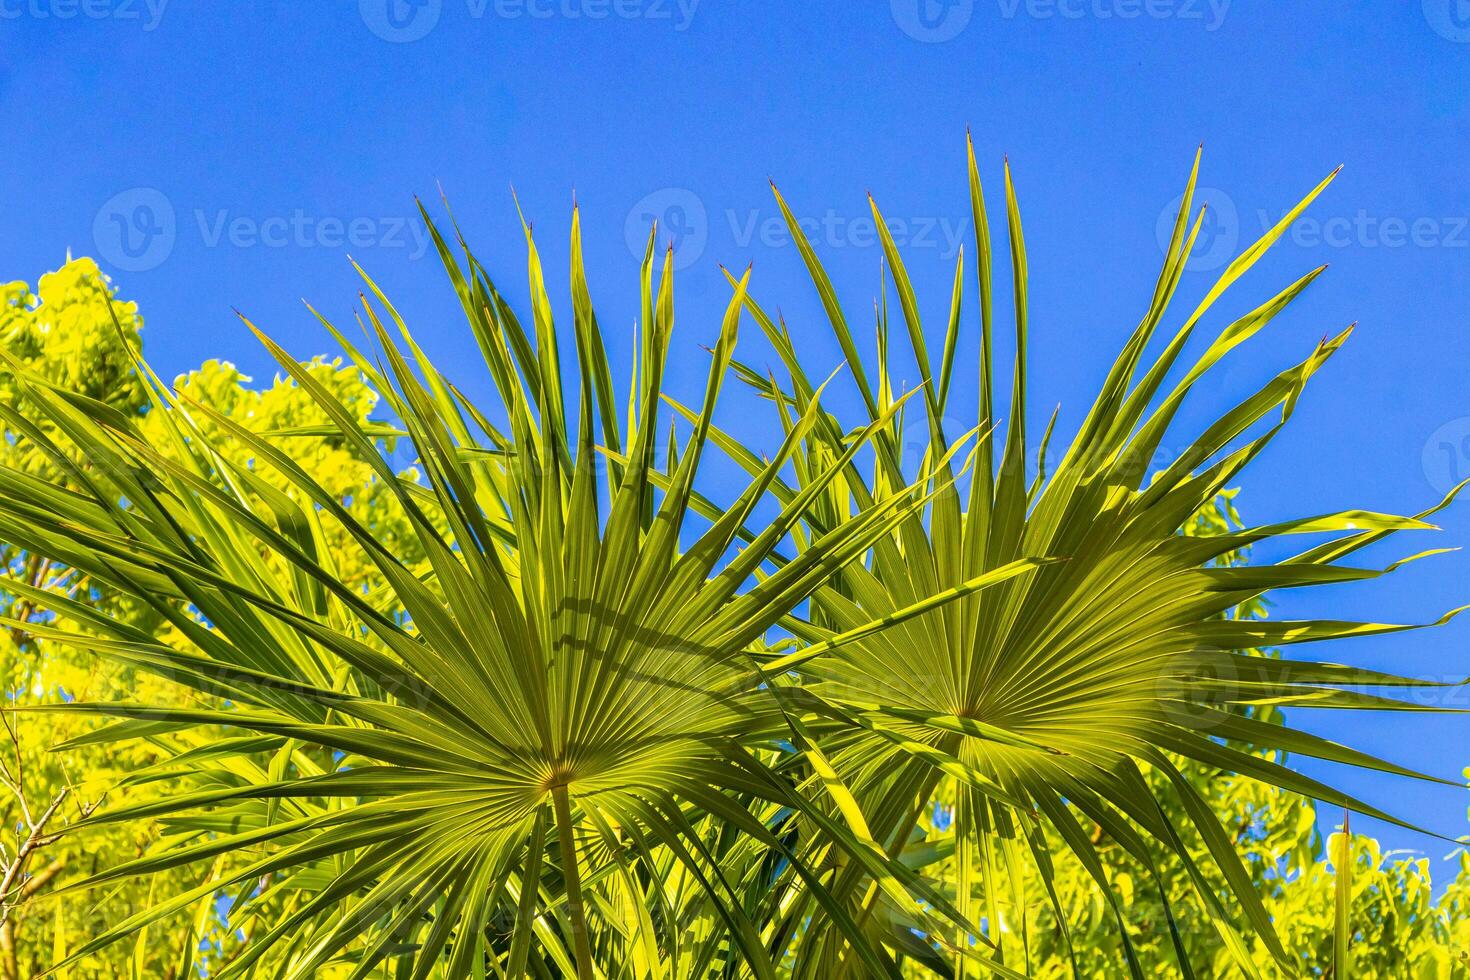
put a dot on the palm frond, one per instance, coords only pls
(528, 725)
(1048, 697)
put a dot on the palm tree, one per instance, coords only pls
(571, 742)
(557, 684)
(1051, 700)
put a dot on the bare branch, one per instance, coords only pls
(34, 841)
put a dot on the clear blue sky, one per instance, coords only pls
(215, 155)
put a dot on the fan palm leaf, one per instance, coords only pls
(1047, 699)
(485, 762)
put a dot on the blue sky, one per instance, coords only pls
(232, 155)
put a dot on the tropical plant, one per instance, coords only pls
(554, 710)
(550, 660)
(1050, 697)
(1401, 923)
(67, 329)
(62, 330)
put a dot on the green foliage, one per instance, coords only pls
(523, 710)
(1068, 703)
(66, 332)
(1398, 927)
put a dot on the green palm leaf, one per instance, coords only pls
(1047, 697)
(599, 720)
(530, 727)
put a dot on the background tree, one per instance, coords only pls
(73, 329)
(63, 330)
